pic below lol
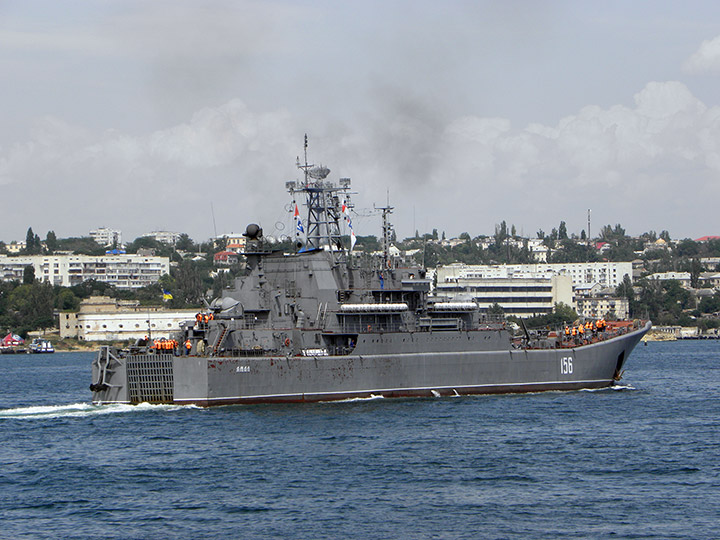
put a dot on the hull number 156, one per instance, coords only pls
(566, 367)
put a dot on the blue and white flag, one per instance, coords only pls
(346, 211)
(299, 221)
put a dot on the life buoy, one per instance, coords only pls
(287, 341)
(369, 328)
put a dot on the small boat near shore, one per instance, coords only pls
(40, 346)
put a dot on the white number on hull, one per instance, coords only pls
(566, 367)
(242, 369)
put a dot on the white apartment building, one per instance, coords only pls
(607, 274)
(166, 237)
(107, 237)
(522, 296)
(123, 271)
(682, 277)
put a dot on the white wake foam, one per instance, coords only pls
(613, 388)
(350, 400)
(79, 410)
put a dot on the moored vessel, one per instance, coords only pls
(40, 346)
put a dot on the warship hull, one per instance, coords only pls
(323, 324)
(208, 381)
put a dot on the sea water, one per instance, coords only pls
(638, 461)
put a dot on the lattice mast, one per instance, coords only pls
(323, 200)
(387, 232)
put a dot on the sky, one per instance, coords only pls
(188, 116)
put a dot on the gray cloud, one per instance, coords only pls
(466, 174)
(138, 115)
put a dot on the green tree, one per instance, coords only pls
(496, 309)
(687, 248)
(625, 289)
(33, 246)
(185, 243)
(29, 275)
(65, 300)
(696, 269)
(51, 242)
(147, 242)
(92, 287)
(709, 304)
(650, 236)
(501, 234)
(190, 284)
(562, 231)
(561, 314)
(33, 306)
(82, 246)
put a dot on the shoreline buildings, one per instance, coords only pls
(527, 290)
(102, 318)
(124, 271)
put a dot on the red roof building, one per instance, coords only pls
(225, 257)
(707, 238)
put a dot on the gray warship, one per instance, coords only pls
(323, 324)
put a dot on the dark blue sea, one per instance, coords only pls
(640, 461)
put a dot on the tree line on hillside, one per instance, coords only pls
(29, 305)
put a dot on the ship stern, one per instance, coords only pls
(109, 377)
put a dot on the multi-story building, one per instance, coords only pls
(107, 237)
(594, 307)
(166, 237)
(105, 319)
(123, 271)
(234, 242)
(607, 274)
(683, 277)
(522, 296)
(15, 247)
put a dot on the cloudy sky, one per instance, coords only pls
(188, 115)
